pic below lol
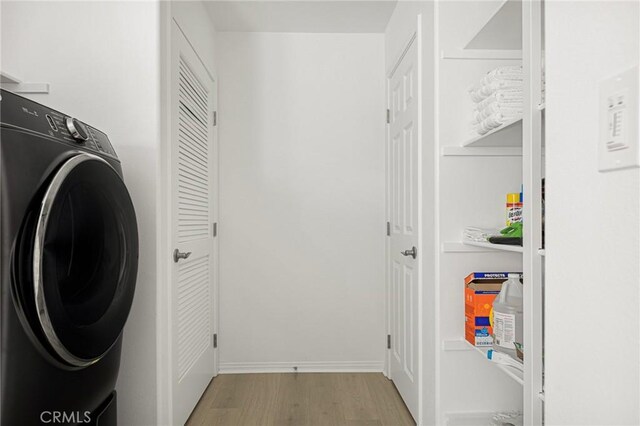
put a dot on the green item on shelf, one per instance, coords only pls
(519, 350)
(513, 230)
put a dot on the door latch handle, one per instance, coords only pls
(413, 252)
(177, 255)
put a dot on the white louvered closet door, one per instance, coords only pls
(192, 175)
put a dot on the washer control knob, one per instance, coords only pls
(77, 129)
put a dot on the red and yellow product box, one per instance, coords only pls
(480, 289)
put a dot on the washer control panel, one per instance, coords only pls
(31, 116)
(77, 129)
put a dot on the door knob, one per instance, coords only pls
(177, 255)
(413, 252)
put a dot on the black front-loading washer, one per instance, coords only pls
(68, 264)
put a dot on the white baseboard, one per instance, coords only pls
(303, 367)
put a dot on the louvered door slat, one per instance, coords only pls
(192, 136)
(187, 92)
(193, 153)
(193, 191)
(193, 157)
(199, 89)
(187, 167)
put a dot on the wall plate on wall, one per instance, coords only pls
(619, 122)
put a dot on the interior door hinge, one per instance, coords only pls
(215, 229)
(388, 229)
(388, 341)
(388, 116)
(215, 340)
(215, 118)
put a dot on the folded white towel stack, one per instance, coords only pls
(498, 98)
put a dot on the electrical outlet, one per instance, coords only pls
(619, 125)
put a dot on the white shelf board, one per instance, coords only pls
(456, 345)
(492, 151)
(459, 247)
(463, 345)
(507, 135)
(14, 84)
(514, 373)
(8, 78)
(482, 54)
(500, 247)
(503, 29)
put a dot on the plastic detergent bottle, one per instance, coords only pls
(507, 316)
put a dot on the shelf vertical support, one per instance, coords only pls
(532, 133)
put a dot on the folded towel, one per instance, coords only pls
(519, 75)
(502, 97)
(486, 90)
(494, 121)
(505, 110)
(488, 79)
(499, 98)
(499, 74)
(507, 69)
(482, 106)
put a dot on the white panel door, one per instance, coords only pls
(192, 204)
(404, 178)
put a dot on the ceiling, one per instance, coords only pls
(305, 16)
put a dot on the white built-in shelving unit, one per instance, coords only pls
(512, 33)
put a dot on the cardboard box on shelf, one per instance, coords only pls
(480, 289)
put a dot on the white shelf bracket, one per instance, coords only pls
(15, 85)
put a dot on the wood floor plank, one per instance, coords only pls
(200, 413)
(389, 405)
(325, 408)
(356, 400)
(301, 399)
(260, 404)
(234, 389)
(215, 417)
(362, 423)
(293, 400)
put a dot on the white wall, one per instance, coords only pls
(302, 200)
(109, 77)
(592, 356)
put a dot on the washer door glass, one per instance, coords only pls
(85, 258)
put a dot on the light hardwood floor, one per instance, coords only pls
(301, 399)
